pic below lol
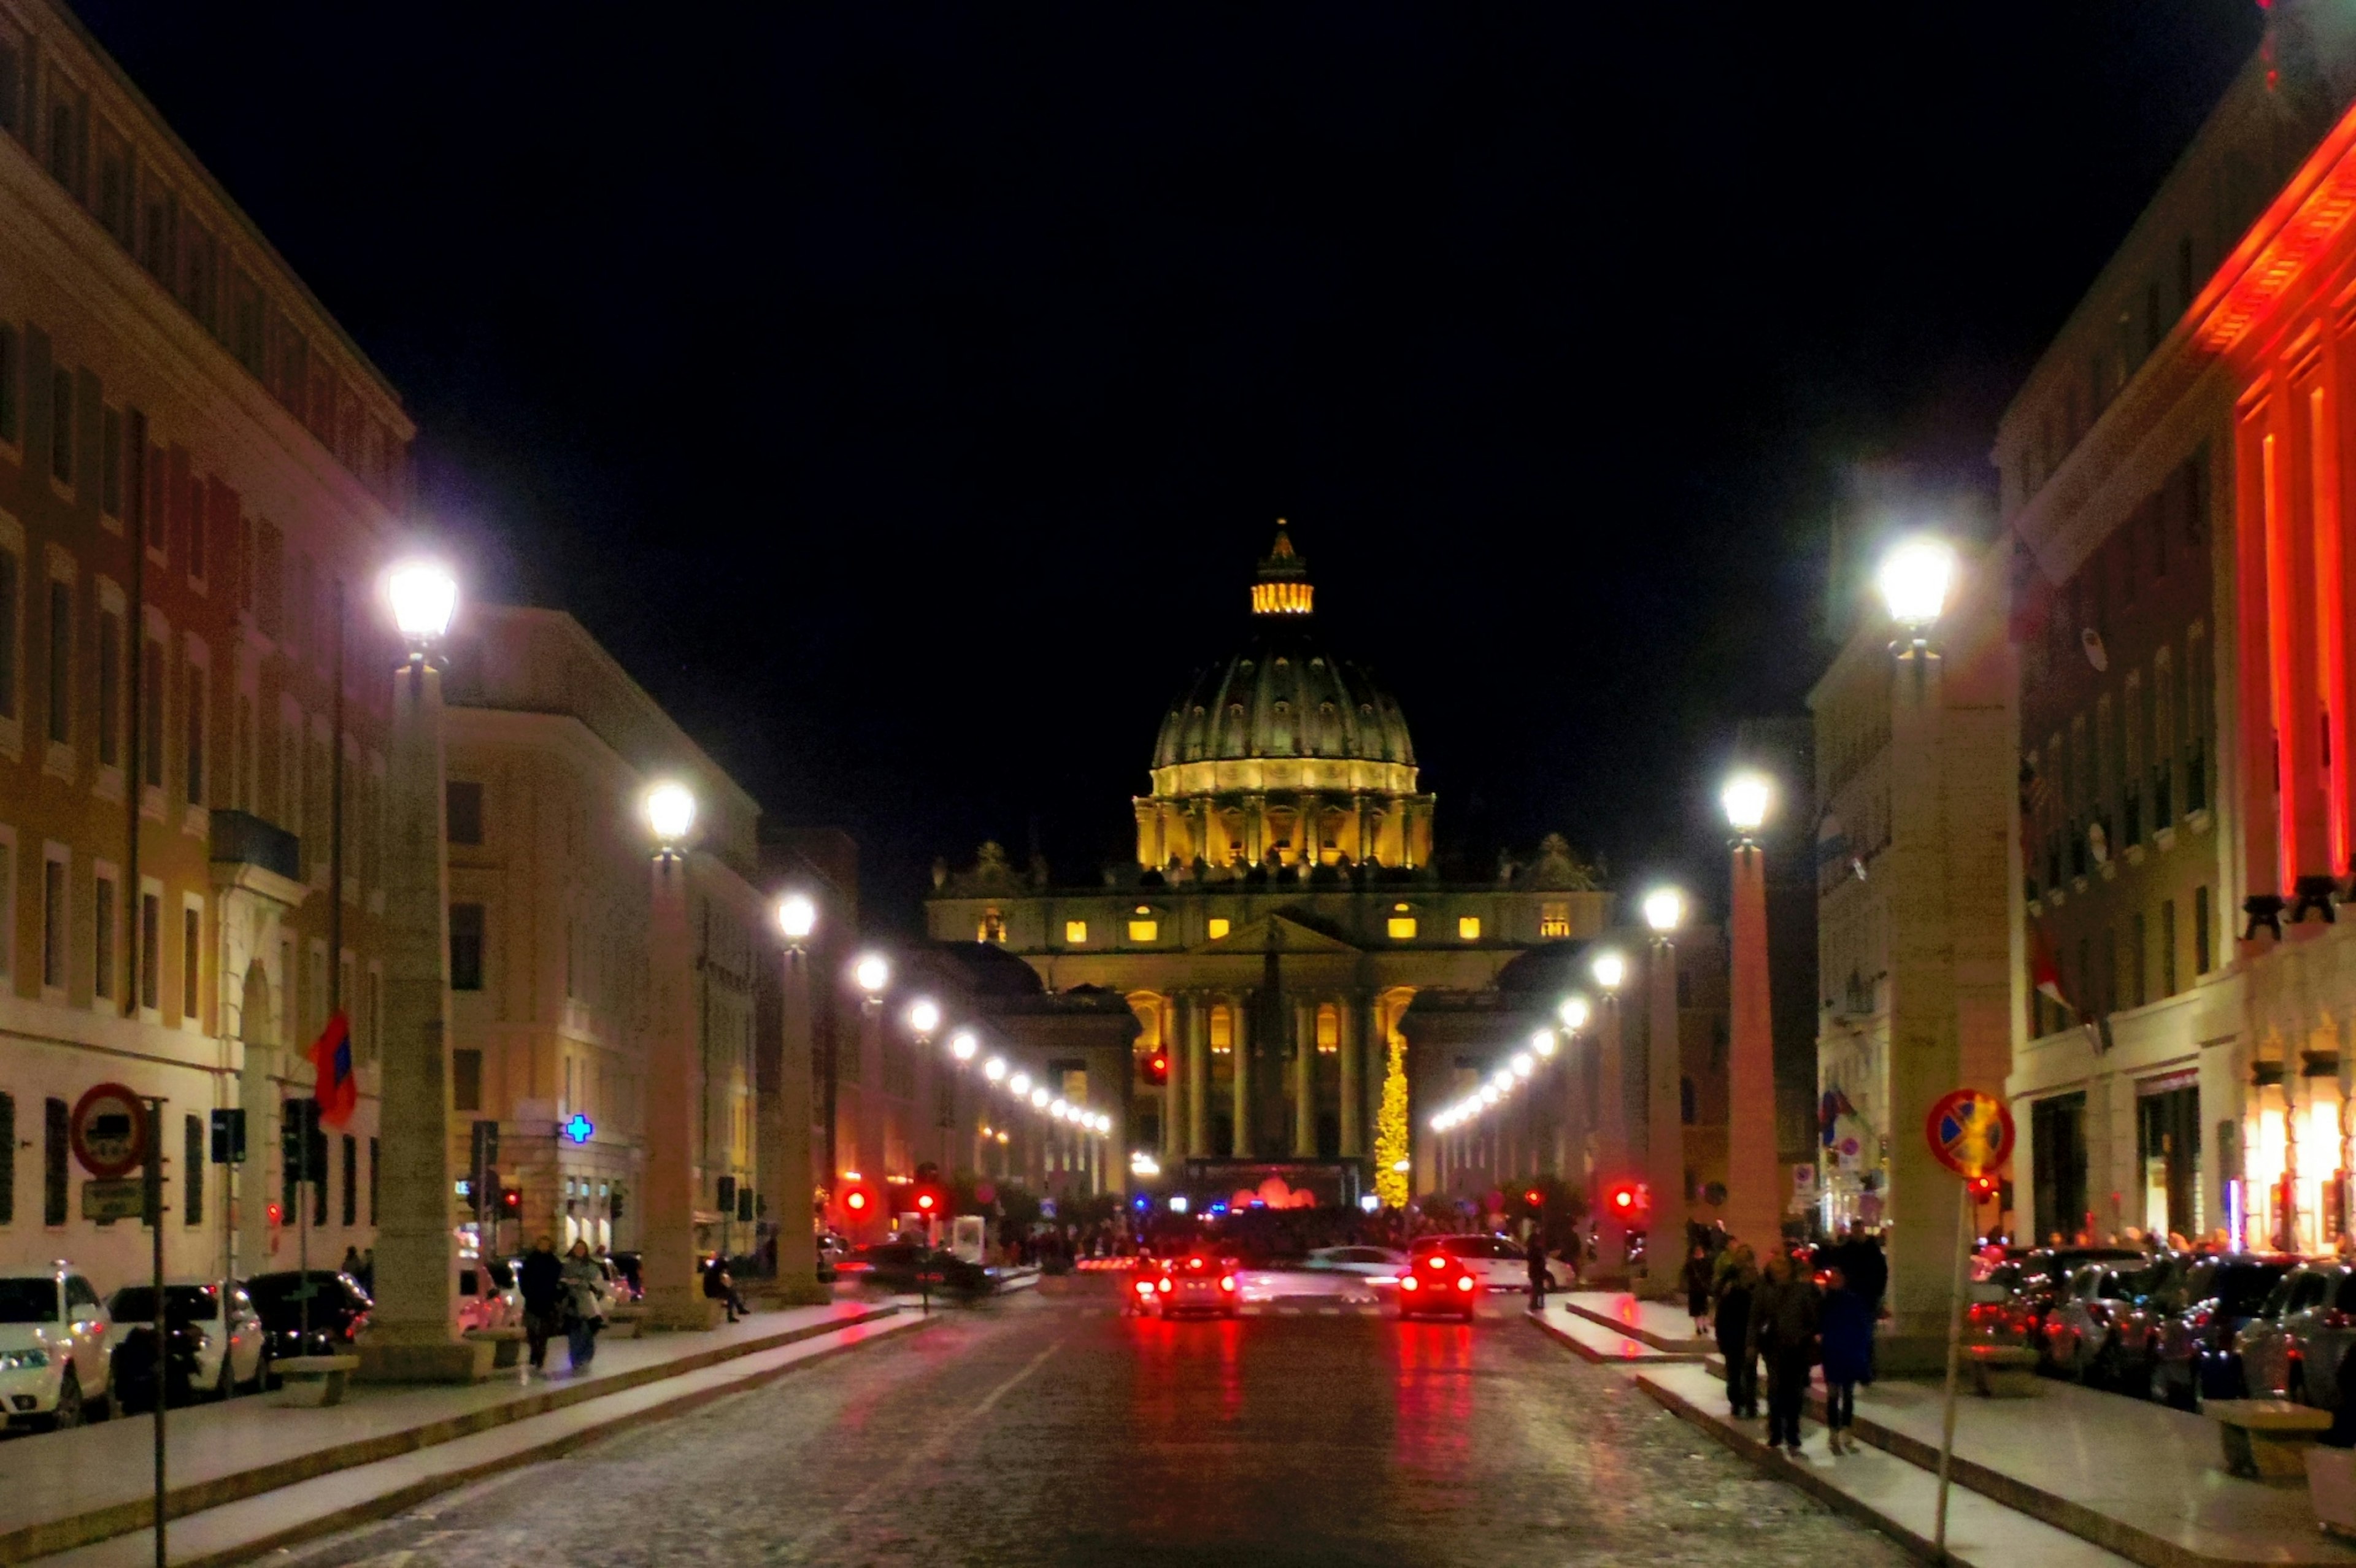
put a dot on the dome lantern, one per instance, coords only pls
(1283, 588)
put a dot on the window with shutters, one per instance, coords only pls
(60, 663)
(110, 689)
(54, 1118)
(195, 748)
(465, 947)
(151, 723)
(192, 1171)
(465, 807)
(61, 423)
(7, 1159)
(56, 929)
(351, 1181)
(105, 911)
(110, 463)
(11, 373)
(192, 949)
(151, 940)
(11, 587)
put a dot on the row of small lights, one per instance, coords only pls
(873, 973)
(1914, 581)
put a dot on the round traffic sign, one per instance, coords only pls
(109, 1131)
(1970, 1133)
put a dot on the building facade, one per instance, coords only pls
(1283, 910)
(197, 475)
(2176, 473)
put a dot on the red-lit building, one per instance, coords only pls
(2175, 477)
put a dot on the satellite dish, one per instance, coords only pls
(2097, 655)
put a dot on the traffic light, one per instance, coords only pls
(1981, 1187)
(1157, 1066)
(1535, 1196)
(511, 1203)
(858, 1202)
(930, 1202)
(1630, 1203)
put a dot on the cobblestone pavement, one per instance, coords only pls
(1053, 1431)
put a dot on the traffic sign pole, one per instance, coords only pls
(153, 1116)
(1971, 1134)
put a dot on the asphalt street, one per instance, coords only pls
(1053, 1430)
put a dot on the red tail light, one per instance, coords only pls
(1436, 1261)
(1227, 1281)
(1464, 1282)
(1163, 1284)
(2336, 1320)
(1145, 1287)
(1409, 1281)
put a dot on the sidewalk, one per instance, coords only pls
(1659, 1324)
(1586, 1335)
(70, 1489)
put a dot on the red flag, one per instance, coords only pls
(337, 1092)
(2044, 969)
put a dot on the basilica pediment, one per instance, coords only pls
(1276, 934)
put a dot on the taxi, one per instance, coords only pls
(1439, 1285)
(1194, 1283)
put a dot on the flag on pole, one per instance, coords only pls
(337, 1090)
(2044, 969)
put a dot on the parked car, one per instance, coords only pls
(2195, 1352)
(1373, 1263)
(337, 1307)
(900, 1265)
(1494, 1261)
(218, 1332)
(487, 1296)
(2291, 1349)
(630, 1279)
(54, 1367)
(2020, 1292)
(2094, 1333)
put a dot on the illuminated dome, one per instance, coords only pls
(1280, 733)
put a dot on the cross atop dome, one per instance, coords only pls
(1283, 588)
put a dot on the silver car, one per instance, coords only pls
(2293, 1348)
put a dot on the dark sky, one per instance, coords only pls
(903, 392)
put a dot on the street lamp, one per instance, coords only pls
(1754, 1203)
(994, 1069)
(1745, 798)
(669, 808)
(1914, 579)
(962, 1045)
(1610, 969)
(1573, 1011)
(923, 1018)
(424, 597)
(1039, 1098)
(1020, 1084)
(1664, 910)
(796, 917)
(1664, 1153)
(787, 1115)
(1543, 1042)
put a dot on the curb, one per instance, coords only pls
(1691, 1348)
(51, 1536)
(1560, 1336)
(384, 1504)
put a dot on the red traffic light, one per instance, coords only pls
(1631, 1201)
(857, 1201)
(1534, 1197)
(1157, 1068)
(928, 1202)
(1982, 1188)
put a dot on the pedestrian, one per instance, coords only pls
(1848, 1331)
(351, 1263)
(1784, 1330)
(1537, 1269)
(1735, 1288)
(718, 1287)
(1698, 1283)
(584, 1306)
(541, 1282)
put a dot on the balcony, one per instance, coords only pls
(241, 839)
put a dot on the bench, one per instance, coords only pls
(2266, 1439)
(332, 1373)
(2002, 1371)
(625, 1320)
(506, 1342)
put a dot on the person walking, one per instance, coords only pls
(1697, 1283)
(1736, 1287)
(584, 1306)
(1784, 1320)
(1537, 1269)
(542, 1283)
(1847, 1332)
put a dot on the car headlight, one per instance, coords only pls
(22, 1361)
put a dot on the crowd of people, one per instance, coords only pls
(1776, 1314)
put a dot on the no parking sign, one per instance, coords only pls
(1970, 1133)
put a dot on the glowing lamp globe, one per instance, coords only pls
(1914, 579)
(1039, 1098)
(1489, 1094)
(424, 597)
(1543, 1042)
(1664, 910)
(1608, 969)
(670, 812)
(962, 1045)
(873, 972)
(1021, 1084)
(797, 916)
(1573, 1012)
(994, 1069)
(1745, 800)
(924, 1015)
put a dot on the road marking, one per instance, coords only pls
(1329, 1312)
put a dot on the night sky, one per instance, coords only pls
(904, 392)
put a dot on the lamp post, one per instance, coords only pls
(786, 1170)
(1610, 970)
(1577, 1107)
(1754, 1206)
(872, 973)
(674, 1296)
(412, 1334)
(1925, 1057)
(1665, 1145)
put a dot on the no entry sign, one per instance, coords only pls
(1970, 1133)
(109, 1131)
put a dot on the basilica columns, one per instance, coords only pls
(1198, 1079)
(1177, 1050)
(1353, 1078)
(1304, 1078)
(1239, 1031)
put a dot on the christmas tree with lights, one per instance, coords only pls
(1391, 1130)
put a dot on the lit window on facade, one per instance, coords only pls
(992, 927)
(1220, 925)
(1075, 932)
(1554, 920)
(1401, 925)
(1467, 926)
(1329, 1028)
(1145, 930)
(1223, 1031)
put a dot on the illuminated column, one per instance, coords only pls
(787, 1178)
(1349, 1008)
(1304, 1078)
(1664, 1146)
(1754, 1206)
(1239, 1034)
(412, 1334)
(674, 1294)
(1612, 1162)
(1198, 1078)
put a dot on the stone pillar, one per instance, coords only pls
(1611, 1161)
(1754, 1196)
(1665, 1144)
(674, 1296)
(1239, 1033)
(412, 1334)
(1351, 1009)
(1177, 1047)
(788, 1179)
(1304, 1078)
(1198, 1077)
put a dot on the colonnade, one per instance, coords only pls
(1193, 1093)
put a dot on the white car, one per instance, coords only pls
(53, 1354)
(232, 1354)
(499, 1307)
(1496, 1262)
(1374, 1263)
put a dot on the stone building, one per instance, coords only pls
(551, 747)
(198, 471)
(2176, 472)
(1283, 909)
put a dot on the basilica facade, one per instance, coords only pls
(1283, 911)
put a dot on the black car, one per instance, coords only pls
(338, 1308)
(911, 1265)
(133, 1368)
(2194, 1355)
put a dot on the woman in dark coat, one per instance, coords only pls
(1698, 1273)
(1734, 1293)
(1846, 1325)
